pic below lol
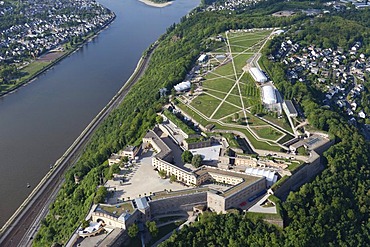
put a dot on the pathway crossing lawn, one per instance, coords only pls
(221, 84)
(213, 74)
(224, 110)
(279, 122)
(206, 104)
(240, 61)
(246, 45)
(239, 42)
(215, 93)
(231, 140)
(234, 100)
(267, 132)
(253, 120)
(225, 70)
(248, 79)
(193, 114)
(236, 90)
(204, 122)
(256, 144)
(286, 138)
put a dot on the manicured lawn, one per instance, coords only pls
(253, 120)
(231, 140)
(213, 75)
(241, 41)
(242, 87)
(215, 93)
(205, 104)
(234, 100)
(294, 166)
(33, 68)
(252, 215)
(286, 138)
(124, 207)
(221, 84)
(163, 231)
(225, 70)
(224, 110)
(279, 122)
(248, 79)
(193, 114)
(256, 144)
(267, 132)
(240, 61)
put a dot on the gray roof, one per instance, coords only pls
(165, 150)
(142, 203)
(290, 107)
(129, 148)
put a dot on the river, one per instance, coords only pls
(41, 120)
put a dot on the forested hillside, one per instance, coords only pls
(333, 210)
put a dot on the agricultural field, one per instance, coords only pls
(227, 91)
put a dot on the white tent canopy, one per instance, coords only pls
(185, 85)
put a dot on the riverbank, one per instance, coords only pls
(45, 192)
(87, 39)
(157, 5)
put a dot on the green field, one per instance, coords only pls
(215, 93)
(222, 80)
(267, 132)
(240, 61)
(281, 122)
(234, 100)
(220, 84)
(224, 110)
(193, 114)
(253, 120)
(206, 104)
(225, 70)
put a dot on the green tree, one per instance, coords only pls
(125, 159)
(101, 193)
(186, 156)
(152, 227)
(133, 230)
(162, 173)
(85, 223)
(159, 119)
(173, 178)
(197, 160)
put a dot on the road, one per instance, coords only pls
(23, 225)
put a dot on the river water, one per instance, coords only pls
(41, 120)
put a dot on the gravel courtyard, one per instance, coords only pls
(140, 181)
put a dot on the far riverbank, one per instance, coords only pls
(86, 39)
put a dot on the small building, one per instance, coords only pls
(257, 75)
(315, 143)
(289, 109)
(114, 159)
(130, 152)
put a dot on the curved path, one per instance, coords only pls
(24, 223)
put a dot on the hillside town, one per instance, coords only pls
(42, 26)
(338, 73)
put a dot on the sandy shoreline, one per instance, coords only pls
(157, 5)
